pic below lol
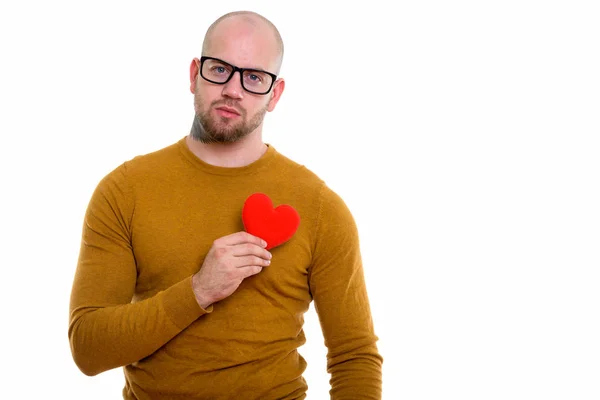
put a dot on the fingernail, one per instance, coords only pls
(270, 255)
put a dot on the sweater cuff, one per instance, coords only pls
(180, 304)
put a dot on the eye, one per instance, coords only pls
(219, 69)
(254, 78)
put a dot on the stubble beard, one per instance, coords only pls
(207, 129)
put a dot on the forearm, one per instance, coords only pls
(356, 374)
(353, 359)
(108, 337)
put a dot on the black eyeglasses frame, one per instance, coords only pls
(238, 69)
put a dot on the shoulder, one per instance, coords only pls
(288, 170)
(124, 176)
(309, 182)
(153, 161)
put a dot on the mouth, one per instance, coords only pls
(227, 112)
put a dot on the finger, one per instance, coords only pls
(251, 270)
(248, 261)
(249, 249)
(243, 237)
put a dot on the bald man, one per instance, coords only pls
(170, 285)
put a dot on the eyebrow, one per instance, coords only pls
(230, 63)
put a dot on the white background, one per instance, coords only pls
(463, 135)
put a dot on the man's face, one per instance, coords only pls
(226, 113)
(224, 119)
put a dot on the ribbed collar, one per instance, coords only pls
(251, 168)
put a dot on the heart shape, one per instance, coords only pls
(274, 225)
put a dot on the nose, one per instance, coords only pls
(234, 88)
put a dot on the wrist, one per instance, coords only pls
(202, 299)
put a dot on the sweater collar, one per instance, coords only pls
(251, 168)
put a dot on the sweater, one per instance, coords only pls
(147, 228)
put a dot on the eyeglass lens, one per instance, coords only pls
(252, 80)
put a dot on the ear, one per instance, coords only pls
(194, 70)
(276, 93)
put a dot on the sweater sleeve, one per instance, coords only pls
(106, 329)
(340, 297)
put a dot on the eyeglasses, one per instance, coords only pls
(220, 72)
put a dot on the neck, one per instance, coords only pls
(231, 155)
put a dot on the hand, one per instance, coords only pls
(229, 261)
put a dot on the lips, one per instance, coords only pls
(228, 110)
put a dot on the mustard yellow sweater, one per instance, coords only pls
(148, 226)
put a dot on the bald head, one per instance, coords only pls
(248, 23)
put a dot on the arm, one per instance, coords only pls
(339, 291)
(107, 330)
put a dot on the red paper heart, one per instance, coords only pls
(274, 225)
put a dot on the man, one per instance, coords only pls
(170, 286)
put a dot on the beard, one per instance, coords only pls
(209, 129)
